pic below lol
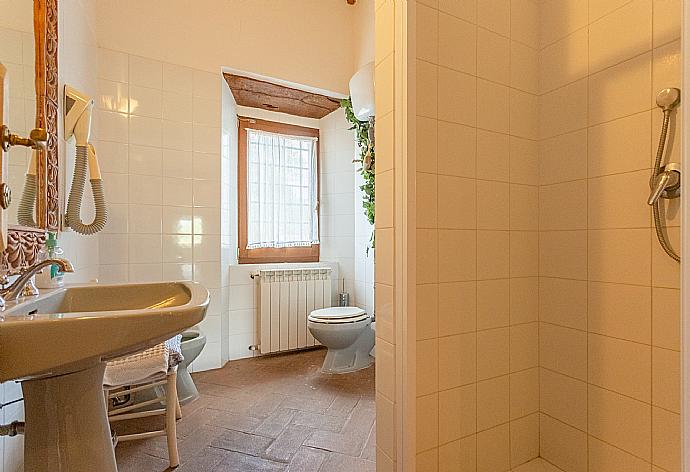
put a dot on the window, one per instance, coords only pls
(278, 192)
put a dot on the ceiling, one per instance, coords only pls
(254, 93)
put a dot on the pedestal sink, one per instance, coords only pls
(57, 345)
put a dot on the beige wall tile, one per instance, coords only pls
(563, 398)
(427, 89)
(458, 251)
(457, 45)
(427, 256)
(383, 74)
(599, 8)
(666, 439)
(621, 90)
(466, 10)
(563, 62)
(621, 311)
(493, 449)
(524, 207)
(563, 302)
(620, 421)
(524, 22)
(383, 273)
(562, 445)
(667, 21)
(563, 206)
(620, 255)
(604, 457)
(621, 145)
(493, 56)
(428, 460)
(665, 379)
(622, 366)
(492, 402)
(492, 254)
(457, 360)
(563, 350)
(524, 161)
(457, 305)
(665, 271)
(524, 67)
(524, 114)
(384, 191)
(493, 357)
(563, 158)
(494, 113)
(493, 303)
(385, 328)
(553, 116)
(494, 15)
(622, 34)
(524, 253)
(427, 200)
(427, 367)
(493, 153)
(427, 311)
(524, 393)
(457, 149)
(558, 19)
(427, 33)
(427, 422)
(524, 439)
(563, 254)
(385, 369)
(614, 201)
(524, 300)
(524, 346)
(666, 68)
(457, 97)
(384, 143)
(457, 413)
(493, 205)
(427, 147)
(666, 318)
(385, 426)
(457, 202)
(460, 454)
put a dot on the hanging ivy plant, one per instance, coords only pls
(363, 135)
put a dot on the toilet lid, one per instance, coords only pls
(338, 314)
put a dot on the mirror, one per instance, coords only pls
(17, 53)
(28, 50)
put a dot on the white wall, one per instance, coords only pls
(311, 38)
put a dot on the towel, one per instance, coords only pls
(144, 366)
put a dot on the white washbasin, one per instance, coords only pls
(57, 345)
(71, 328)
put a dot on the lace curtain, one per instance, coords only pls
(282, 190)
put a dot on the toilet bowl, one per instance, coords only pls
(348, 334)
(193, 342)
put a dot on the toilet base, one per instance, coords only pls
(352, 358)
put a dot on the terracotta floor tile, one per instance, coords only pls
(262, 414)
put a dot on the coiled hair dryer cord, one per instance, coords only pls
(76, 194)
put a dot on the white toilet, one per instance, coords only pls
(348, 334)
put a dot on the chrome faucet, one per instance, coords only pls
(16, 289)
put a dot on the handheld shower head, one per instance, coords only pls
(668, 98)
(77, 119)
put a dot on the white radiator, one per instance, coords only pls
(286, 297)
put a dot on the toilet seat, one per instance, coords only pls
(338, 315)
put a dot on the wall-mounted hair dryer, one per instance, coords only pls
(77, 121)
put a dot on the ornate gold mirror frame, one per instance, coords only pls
(24, 243)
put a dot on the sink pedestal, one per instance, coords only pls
(67, 426)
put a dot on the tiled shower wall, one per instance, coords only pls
(609, 296)
(477, 234)
(160, 153)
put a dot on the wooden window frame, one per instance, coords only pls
(270, 255)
